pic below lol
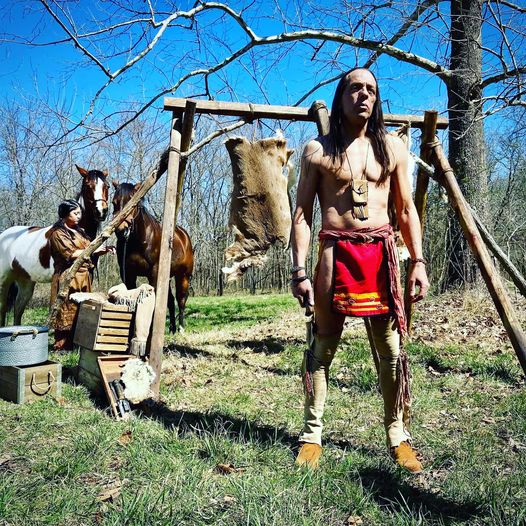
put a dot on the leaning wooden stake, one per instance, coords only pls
(422, 182)
(152, 178)
(487, 269)
(165, 254)
(509, 267)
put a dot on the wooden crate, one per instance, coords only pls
(89, 373)
(26, 383)
(111, 369)
(97, 369)
(103, 327)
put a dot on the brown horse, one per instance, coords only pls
(138, 247)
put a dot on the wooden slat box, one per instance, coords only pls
(89, 370)
(25, 383)
(103, 327)
(97, 369)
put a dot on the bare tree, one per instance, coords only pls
(475, 47)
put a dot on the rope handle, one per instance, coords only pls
(33, 331)
(36, 390)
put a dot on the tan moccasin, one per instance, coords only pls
(406, 456)
(309, 455)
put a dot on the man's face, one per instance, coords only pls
(359, 95)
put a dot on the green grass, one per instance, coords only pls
(233, 396)
(234, 311)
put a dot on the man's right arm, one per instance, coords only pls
(302, 220)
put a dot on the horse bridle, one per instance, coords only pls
(130, 223)
(95, 201)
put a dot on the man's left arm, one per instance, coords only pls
(408, 219)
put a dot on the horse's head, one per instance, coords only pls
(94, 193)
(123, 193)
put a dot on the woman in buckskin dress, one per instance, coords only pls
(67, 241)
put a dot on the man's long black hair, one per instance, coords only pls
(375, 127)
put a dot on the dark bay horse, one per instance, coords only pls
(25, 256)
(138, 247)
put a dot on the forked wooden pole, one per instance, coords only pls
(320, 114)
(165, 255)
(422, 183)
(489, 272)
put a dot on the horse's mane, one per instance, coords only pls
(126, 191)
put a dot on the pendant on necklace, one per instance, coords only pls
(360, 191)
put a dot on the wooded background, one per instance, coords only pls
(475, 48)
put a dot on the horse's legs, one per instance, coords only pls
(182, 285)
(5, 284)
(25, 293)
(171, 309)
(152, 280)
(130, 281)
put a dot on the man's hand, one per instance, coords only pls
(417, 280)
(304, 293)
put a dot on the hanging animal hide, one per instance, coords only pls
(260, 211)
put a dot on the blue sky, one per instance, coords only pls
(56, 71)
(59, 74)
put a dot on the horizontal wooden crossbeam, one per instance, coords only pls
(292, 113)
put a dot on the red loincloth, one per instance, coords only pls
(366, 275)
(360, 279)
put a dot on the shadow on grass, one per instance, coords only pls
(185, 351)
(388, 489)
(498, 371)
(401, 497)
(190, 422)
(265, 346)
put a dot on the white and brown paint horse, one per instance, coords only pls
(25, 256)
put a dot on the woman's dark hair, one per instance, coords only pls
(66, 207)
(375, 128)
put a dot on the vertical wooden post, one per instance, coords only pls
(422, 179)
(165, 254)
(422, 182)
(180, 138)
(487, 269)
(320, 113)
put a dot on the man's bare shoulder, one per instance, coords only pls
(396, 147)
(395, 143)
(314, 150)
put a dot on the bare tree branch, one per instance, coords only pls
(503, 76)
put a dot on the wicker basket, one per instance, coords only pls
(23, 345)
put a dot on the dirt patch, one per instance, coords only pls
(465, 318)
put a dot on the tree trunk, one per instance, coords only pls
(466, 132)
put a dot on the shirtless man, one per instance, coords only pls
(357, 271)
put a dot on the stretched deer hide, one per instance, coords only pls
(260, 211)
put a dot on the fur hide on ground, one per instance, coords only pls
(260, 211)
(137, 377)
